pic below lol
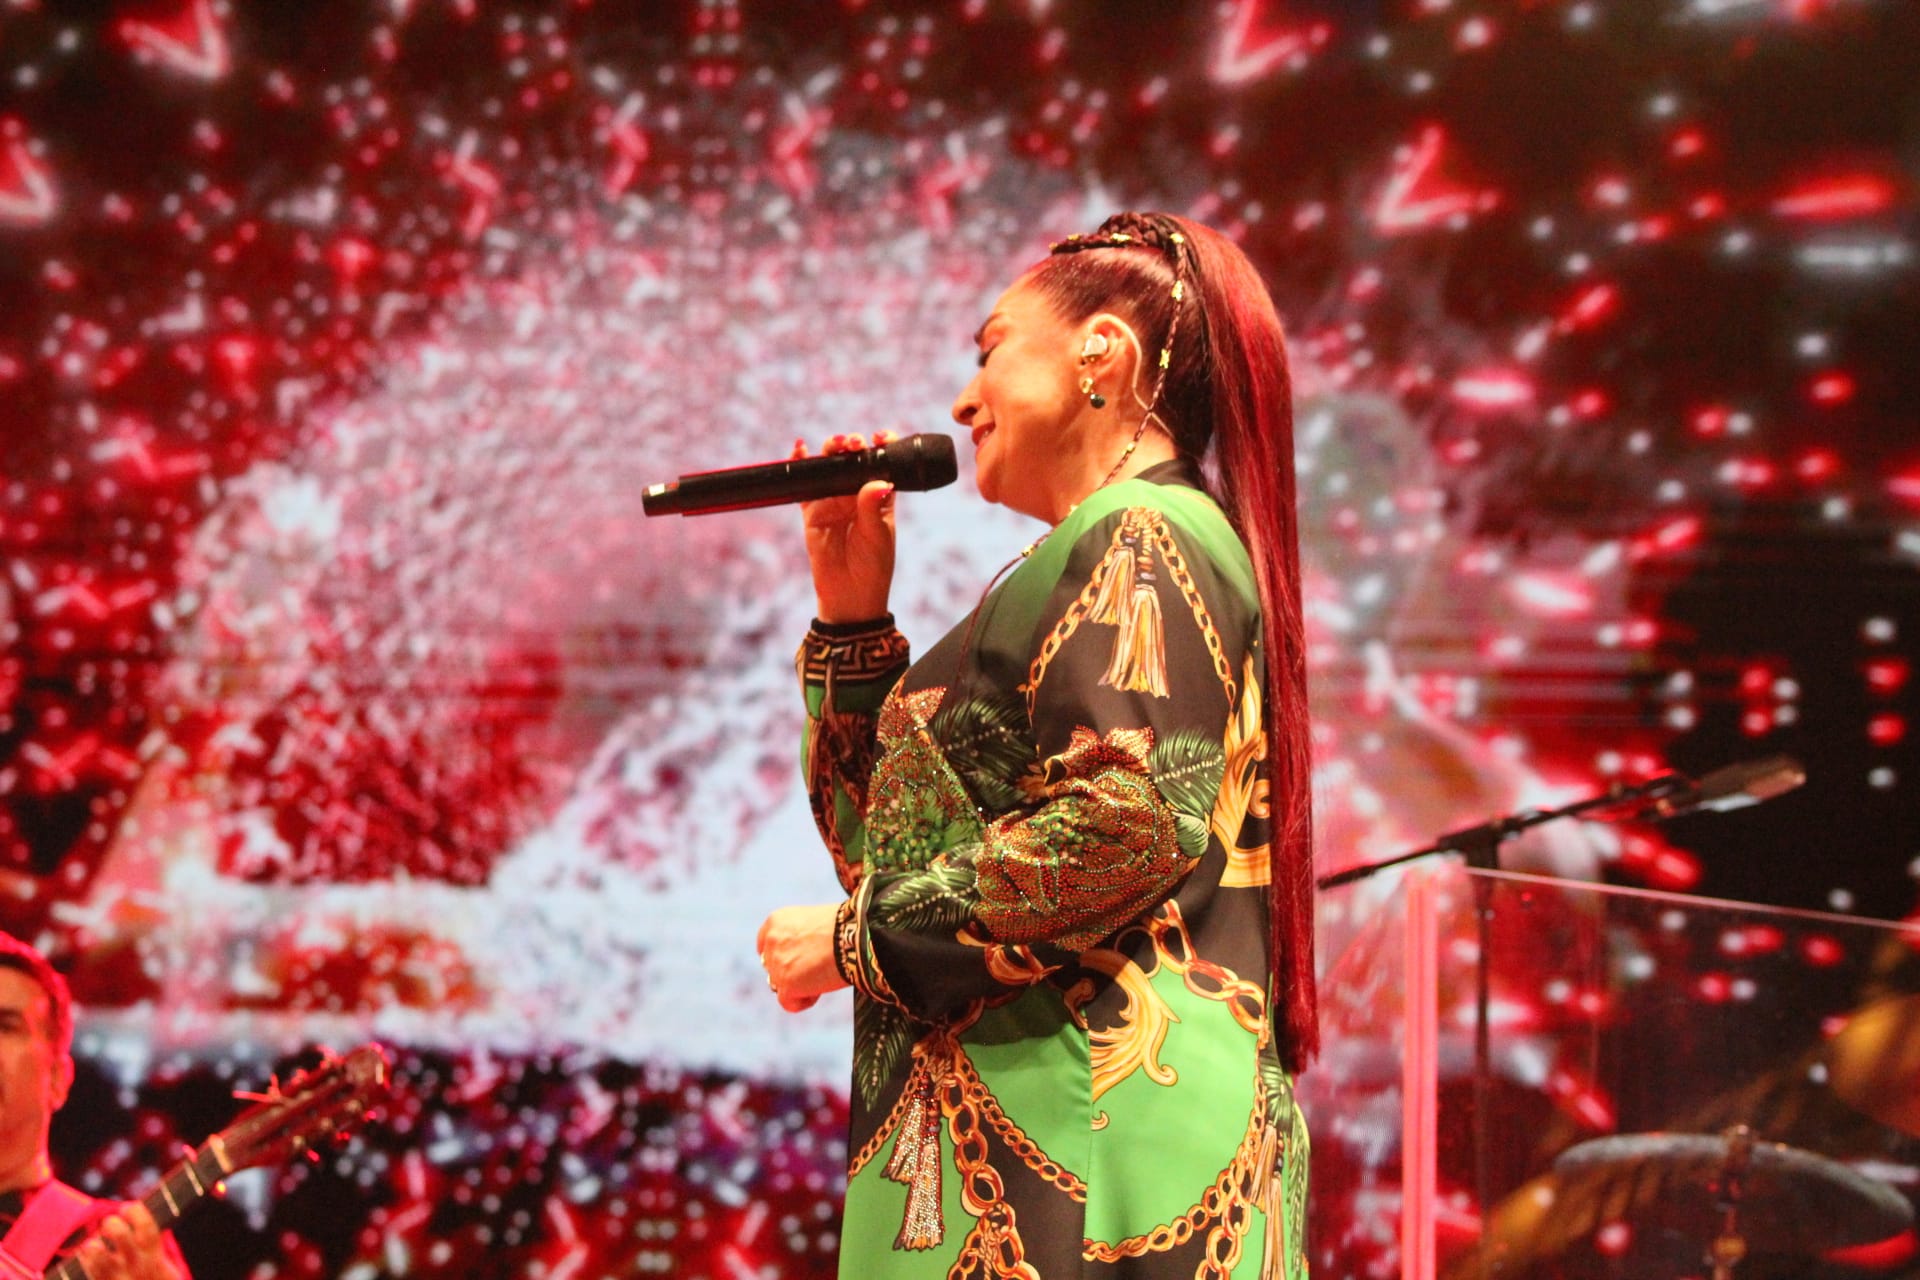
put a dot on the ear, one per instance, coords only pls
(62, 1081)
(1108, 342)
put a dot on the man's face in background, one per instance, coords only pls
(35, 1075)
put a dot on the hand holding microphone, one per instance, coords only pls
(850, 541)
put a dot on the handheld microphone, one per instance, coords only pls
(915, 463)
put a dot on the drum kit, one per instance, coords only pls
(1638, 1205)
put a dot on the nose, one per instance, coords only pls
(967, 403)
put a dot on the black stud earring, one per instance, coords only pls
(1094, 398)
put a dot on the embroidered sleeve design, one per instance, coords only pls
(917, 808)
(1102, 849)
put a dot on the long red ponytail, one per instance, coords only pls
(1228, 402)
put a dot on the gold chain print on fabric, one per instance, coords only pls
(933, 1057)
(1173, 947)
(901, 1106)
(993, 1247)
(1129, 558)
(944, 1085)
(1138, 1033)
(1224, 1212)
(974, 1094)
(977, 1098)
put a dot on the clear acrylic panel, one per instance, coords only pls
(1594, 1132)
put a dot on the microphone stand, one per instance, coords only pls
(1665, 794)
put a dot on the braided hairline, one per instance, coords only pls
(1151, 231)
(1125, 229)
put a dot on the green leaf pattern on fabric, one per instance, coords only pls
(988, 743)
(1187, 767)
(939, 900)
(882, 1042)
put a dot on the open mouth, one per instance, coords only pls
(980, 434)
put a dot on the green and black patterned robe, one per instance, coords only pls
(1053, 828)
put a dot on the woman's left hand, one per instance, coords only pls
(796, 948)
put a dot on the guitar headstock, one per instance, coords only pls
(314, 1107)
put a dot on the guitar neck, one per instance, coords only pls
(185, 1185)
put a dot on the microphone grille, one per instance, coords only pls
(921, 462)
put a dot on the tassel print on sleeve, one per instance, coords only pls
(1115, 577)
(1139, 663)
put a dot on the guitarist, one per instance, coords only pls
(43, 1219)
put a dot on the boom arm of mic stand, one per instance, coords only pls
(1480, 845)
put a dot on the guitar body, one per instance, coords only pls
(49, 1216)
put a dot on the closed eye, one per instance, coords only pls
(982, 362)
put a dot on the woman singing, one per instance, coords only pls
(1076, 834)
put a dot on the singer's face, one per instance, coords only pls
(1022, 406)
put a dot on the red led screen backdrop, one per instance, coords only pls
(345, 694)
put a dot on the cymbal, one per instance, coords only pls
(1667, 1184)
(1791, 1200)
(1873, 1064)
